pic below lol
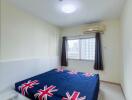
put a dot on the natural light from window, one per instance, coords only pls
(82, 49)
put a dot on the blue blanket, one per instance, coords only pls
(59, 84)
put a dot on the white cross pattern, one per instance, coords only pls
(46, 92)
(74, 96)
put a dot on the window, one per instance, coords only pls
(73, 49)
(83, 49)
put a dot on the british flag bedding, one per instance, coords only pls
(59, 84)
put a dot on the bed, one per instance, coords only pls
(60, 84)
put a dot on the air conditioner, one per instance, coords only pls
(93, 28)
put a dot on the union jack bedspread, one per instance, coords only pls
(59, 84)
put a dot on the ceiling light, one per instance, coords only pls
(69, 8)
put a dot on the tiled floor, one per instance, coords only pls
(111, 92)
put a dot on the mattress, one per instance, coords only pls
(59, 84)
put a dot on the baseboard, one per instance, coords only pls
(123, 92)
(110, 82)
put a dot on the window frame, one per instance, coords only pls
(79, 38)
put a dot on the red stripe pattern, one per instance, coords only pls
(60, 69)
(72, 72)
(46, 92)
(25, 86)
(74, 96)
(88, 74)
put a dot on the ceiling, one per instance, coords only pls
(88, 11)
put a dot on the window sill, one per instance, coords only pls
(81, 60)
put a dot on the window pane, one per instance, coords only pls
(73, 49)
(88, 48)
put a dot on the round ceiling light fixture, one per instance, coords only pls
(68, 8)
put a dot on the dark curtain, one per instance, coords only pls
(64, 61)
(98, 53)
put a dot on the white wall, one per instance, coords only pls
(24, 36)
(28, 46)
(111, 52)
(126, 22)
